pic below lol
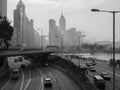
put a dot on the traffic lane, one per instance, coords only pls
(100, 67)
(65, 82)
(108, 68)
(35, 81)
(27, 77)
(109, 84)
(47, 73)
(13, 84)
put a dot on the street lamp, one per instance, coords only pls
(113, 12)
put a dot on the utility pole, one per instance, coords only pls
(113, 13)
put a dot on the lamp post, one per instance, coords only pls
(113, 12)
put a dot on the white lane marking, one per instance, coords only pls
(53, 76)
(21, 87)
(41, 84)
(5, 84)
(28, 81)
(110, 72)
(115, 74)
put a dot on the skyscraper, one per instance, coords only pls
(3, 8)
(18, 22)
(52, 30)
(62, 24)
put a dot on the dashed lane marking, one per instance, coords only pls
(28, 81)
(53, 76)
(21, 87)
(41, 87)
(115, 74)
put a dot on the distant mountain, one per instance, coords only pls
(109, 43)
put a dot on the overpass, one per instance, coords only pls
(23, 53)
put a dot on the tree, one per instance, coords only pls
(6, 30)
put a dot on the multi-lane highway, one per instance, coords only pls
(32, 78)
(104, 67)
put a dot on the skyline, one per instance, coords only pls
(97, 26)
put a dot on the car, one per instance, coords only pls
(47, 82)
(20, 58)
(105, 75)
(92, 69)
(93, 63)
(22, 66)
(88, 64)
(15, 74)
(99, 81)
(46, 64)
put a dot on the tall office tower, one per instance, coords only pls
(19, 14)
(62, 24)
(52, 30)
(3, 8)
(71, 37)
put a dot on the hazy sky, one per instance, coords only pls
(95, 25)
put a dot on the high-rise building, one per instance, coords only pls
(24, 28)
(52, 30)
(71, 37)
(18, 22)
(62, 24)
(3, 8)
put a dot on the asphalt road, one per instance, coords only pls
(104, 67)
(32, 78)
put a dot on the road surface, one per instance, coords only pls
(103, 67)
(32, 78)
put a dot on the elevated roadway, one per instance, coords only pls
(22, 53)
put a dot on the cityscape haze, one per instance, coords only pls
(97, 27)
(59, 45)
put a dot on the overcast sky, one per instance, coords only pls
(95, 25)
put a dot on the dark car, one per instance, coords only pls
(20, 58)
(105, 75)
(22, 66)
(88, 64)
(15, 74)
(47, 82)
(92, 69)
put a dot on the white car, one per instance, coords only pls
(47, 82)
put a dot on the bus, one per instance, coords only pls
(99, 81)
